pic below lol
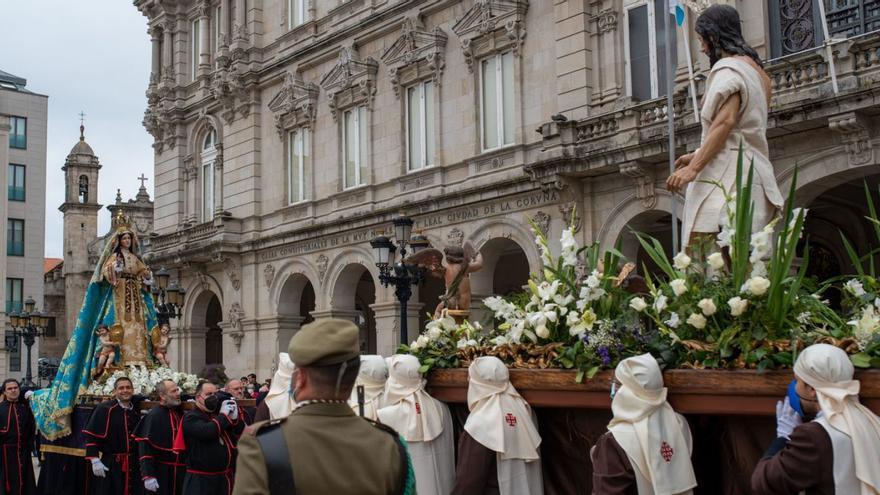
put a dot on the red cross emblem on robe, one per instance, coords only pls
(418, 408)
(666, 451)
(510, 419)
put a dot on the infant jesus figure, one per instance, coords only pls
(461, 261)
(161, 338)
(108, 350)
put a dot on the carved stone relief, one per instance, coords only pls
(416, 55)
(350, 82)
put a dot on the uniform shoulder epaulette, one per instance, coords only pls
(263, 427)
(387, 429)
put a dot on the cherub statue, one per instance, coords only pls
(460, 262)
(108, 350)
(161, 337)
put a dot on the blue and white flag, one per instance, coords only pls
(677, 9)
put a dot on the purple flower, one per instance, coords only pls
(603, 353)
(586, 339)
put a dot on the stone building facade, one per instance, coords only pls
(288, 133)
(23, 117)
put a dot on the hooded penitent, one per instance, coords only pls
(372, 376)
(279, 399)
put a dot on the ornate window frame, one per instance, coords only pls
(416, 57)
(351, 82)
(295, 105)
(490, 27)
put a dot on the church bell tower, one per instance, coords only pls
(80, 209)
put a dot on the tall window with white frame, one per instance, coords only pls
(420, 125)
(195, 48)
(209, 154)
(296, 13)
(299, 165)
(645, 49)
(355, 150)
(497, 100)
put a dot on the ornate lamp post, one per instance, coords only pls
(399, 275)
(168, 298)
(27, 325)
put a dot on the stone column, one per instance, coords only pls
(156, 61)
(168, 50)
(192, 349)
(387, 316)
(573, 51)
(204, 38)
(4, 152)
(224, 19)
(218, 182)
(343, 314)
(240, 20)
(284, 327)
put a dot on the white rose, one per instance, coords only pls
(697, 321)
(423, 340)
(638, 304)
(758, 285)
(434, 333)
(707, 306)
(414, 347)
(855, 288)
(660, 303)
(681, 261)
(542, 331)
(679, 286)
(737, 305)
(716, 261)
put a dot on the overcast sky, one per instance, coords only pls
(91, 56)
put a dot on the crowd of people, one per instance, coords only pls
(371, 415)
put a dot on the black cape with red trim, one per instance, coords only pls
(155, 437)
(17, 430)
(210, 444)
(109, 432)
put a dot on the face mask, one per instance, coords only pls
(794, 400)
(212, 403)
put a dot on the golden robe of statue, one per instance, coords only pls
(127, 273)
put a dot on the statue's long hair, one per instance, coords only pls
(721, 28)
(117, 250)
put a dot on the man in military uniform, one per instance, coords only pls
(323, 447)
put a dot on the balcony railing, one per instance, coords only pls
(15, 193)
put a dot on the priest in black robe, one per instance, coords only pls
(209, 436)
(162, 469)
(109, 433)
(17, 429)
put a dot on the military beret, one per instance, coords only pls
(325, 342)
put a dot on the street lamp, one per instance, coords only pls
(399, 275)
(26, 326)
(167, 297)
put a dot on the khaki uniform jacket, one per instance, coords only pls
(332, 451)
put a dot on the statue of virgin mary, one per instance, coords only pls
(117, 298)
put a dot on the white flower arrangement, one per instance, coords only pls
(144, 380)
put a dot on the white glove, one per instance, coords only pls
(787, 419)
(98, 468)
(151, 485)
(28, 395)
(227, 407)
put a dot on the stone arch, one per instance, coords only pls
(820, 172)
(197, 134)
(353, 293)
(361, 256)
(289, 281)
(197, 291)
(508, 228)
(624, 213)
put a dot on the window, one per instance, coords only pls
(195, 48)
(209, 152)
(420, 125)
(299, 164)
(355, 136)
(14, 295)
(645, 39)
(296, 13)
(15, 179)
(14, 237)
(15, 358)
(83, 192)
(18, 132)
(50, 328)
(496, 100)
